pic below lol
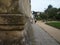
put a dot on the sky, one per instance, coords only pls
(41, 5)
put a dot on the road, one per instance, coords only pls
(42, 37)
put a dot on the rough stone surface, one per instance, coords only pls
(13, 14)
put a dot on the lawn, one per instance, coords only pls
(54, 24)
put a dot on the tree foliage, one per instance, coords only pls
(51, 13)
(50, 6)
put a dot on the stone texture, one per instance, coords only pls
(13, 18)
(9, 6)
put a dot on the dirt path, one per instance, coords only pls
(55, 33)
(42, 37)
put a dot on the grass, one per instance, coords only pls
(54, 24)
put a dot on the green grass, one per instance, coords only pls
(54, 24)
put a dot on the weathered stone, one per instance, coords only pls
(14, 14)
(9, 6)
(12, 22)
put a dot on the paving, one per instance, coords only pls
(42, 37)
(54, 32)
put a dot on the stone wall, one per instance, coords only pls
(13, 19)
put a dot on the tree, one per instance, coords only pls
(35, 14)
(43, 16)
(50, 6)
(51, 12)
(58, 9)
(58, 14)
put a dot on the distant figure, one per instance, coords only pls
(35, 20)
